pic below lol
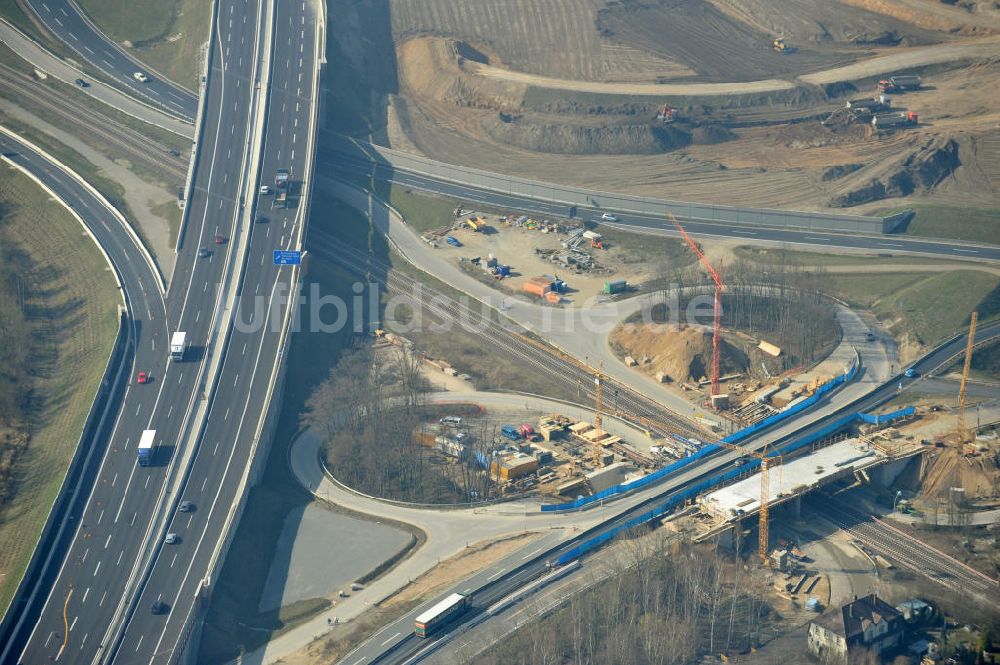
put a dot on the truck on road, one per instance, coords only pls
(147, 447)
(178, 345)
(440, 614)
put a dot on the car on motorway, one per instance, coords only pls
(219, 239)
(142, 377)
(911, 373)
(608, 217)
(204, 253)
(159, 607)
(141, 77)
(172, 539)
(82, 83)
(262, 220)
(186, 507)
(265, 189)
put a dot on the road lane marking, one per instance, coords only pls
(139, 644)
(205, 480)
(100, 517)
(49, 638)
(97, 568)
(85, 594)
(495, 575)
(814, 238)
(889, 244)
(84, 640)
(216, 448)
(107, 542)
(103, 596)
(391, 638)
(174, 560)
(528, 556)
(120, 555)
(970, 251)
(84, 559)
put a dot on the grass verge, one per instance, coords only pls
(769, 256)
(71, 303)
(165, 34)
(960, 223)
(929, 307)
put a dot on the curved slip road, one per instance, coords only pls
(66, 20)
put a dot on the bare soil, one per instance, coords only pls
(569, 94)
(681, 352)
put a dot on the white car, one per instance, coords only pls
(140, 77)
(172, 539)
(265, 189)
(608, 217)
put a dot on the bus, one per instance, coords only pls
(440, 614)
(147, 447)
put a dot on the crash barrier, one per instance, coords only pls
(878, 419)
(705, 451)
(691, 492)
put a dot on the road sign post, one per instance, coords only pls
(287, 257)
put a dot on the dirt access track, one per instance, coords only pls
(914, 57)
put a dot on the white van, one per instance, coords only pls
(451, 420)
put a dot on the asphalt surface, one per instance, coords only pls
(117, 530)
(253, 347)
(888, 244)
(508, 575)
(65, 20)
(147, 318)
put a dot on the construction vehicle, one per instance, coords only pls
(666, 114)
(896, 120)
(720, 288)
(779, 46)
(475, 223)
(899, 83)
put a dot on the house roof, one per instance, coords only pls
(862, 613)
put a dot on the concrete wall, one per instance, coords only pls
(359, 153)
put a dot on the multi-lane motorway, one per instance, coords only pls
(91, 614)
(503, 198)
(65, 20)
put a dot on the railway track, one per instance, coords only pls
(631, 404)
(85, 121)
(907, 551)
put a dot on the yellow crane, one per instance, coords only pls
(963, 432)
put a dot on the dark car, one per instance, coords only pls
(159, 607)
(186, 507)
(911, 373)
(82, 83)
(204, 253)
(262, 220)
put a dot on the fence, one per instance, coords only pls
(366, 154)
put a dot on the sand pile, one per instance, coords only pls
(682, 353)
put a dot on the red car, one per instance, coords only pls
(219, 239)
(142, 378)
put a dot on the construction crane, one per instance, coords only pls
(963, 432)
(766, 462)
(720, 288)
(598, 406)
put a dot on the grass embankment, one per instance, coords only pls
(791, 257)
(928, 306)
(961, 223)
(165, 34)
(71, 306)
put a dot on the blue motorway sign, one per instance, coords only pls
(287, 257)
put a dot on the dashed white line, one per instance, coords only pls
(85, 594)
(495, 575)
(97, 569)
(107, 542)
(968, 251)
(391, 638)
(103, 596)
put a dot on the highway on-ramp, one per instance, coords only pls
(66, 20)
(147, 327)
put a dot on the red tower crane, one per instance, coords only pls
(720, 288)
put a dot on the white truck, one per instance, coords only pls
(178, 345)
(147, 447)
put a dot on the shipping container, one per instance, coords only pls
(616, 286)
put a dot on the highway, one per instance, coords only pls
(120, 524)
(486, 588)
(141, 291)
(819, 240)
(251, 356)
(65, 20)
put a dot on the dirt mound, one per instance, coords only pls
(839, 171)
(949, 468)
(564, 138)
(921, 171)
(682, 353)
